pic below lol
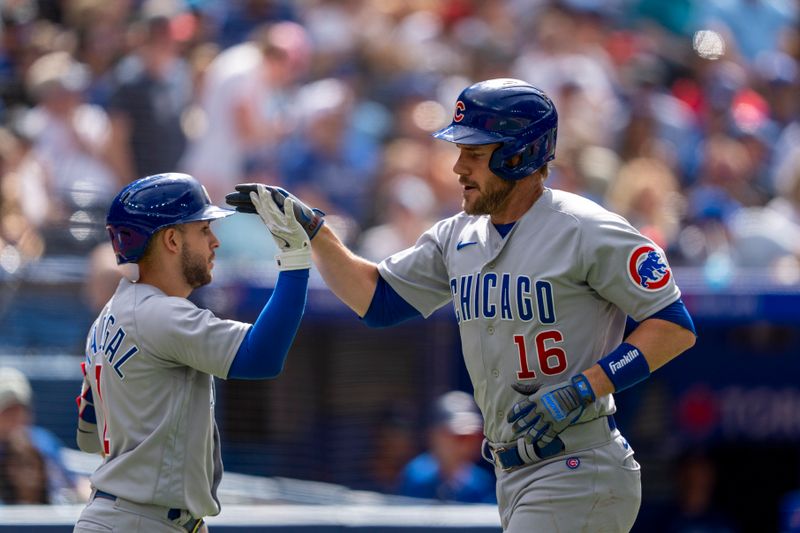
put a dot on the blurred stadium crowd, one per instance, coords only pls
(683, 116)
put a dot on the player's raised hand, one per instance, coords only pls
(288, 233)
(308, 217)
(546, 412)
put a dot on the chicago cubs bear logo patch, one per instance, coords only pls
(648, 268)
(573, 463)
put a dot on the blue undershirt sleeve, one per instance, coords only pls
(676, 313)
(630, 325)
(388, 308)
(263, 351)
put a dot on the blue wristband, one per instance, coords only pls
(625, 366)
(584, 389)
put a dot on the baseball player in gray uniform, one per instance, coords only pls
(541, 282)
(147, 399)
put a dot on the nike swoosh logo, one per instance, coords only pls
(462, 244)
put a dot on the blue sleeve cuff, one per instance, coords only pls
(263, 350)
(630, 325)
(388, 308)
(676, 313)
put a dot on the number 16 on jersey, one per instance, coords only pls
(545, 354)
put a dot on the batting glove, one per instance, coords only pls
(288, 233)
(308, 217)
(548, 411)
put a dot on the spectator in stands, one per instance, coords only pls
(17, 429)
(327, 159)
(563, 58)
(782, 74)
(656, 123)
(23, 471)
(787, 183)
(596, 168)
(153, 90)
(102, 276)
(392, 445)
(405, 211)
(245, 105)
(100, 34)
(239, 18)
(430, 161)
(750, 27)
(694, 508)
(448, 470)
(70, 141)
(647, 193)
(20, 241)
(769, 236)
(721, 190)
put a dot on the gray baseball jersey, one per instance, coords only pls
(540, 305)
(149, 364)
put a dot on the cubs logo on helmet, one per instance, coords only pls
(648, 268)
(458, 115)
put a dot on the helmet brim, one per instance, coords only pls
(456, 133)
(210, 212)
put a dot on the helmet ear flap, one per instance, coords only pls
(500, 162)
(128, 244)
(532, 156)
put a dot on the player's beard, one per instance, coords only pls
(493, 196)
(195, 269)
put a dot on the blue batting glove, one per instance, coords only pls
(548, 411)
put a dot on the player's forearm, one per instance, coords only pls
(659, 341)
(118, 152)
(599, 381)
(351, 278)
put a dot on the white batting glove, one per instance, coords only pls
(287, 232)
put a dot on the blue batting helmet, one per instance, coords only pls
(148, 204)
(512, 112)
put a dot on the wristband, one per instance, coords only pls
(625, 366)
(294, 259)
(584, 389)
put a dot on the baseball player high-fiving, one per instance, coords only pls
(147, 400)
(540, 281)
